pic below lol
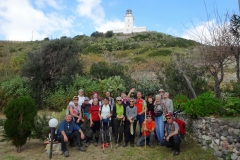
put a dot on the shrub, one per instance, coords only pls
(160, 53)
(20, 115)
(139, 59)
(232, 106)
(12, 89)
(179, 102)
(204, 105)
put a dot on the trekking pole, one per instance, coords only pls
(110, 138)
(102, 137)
(118, 132)
(144, 129)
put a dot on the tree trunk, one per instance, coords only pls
(237, 67)
(189, 85)
(44, 86)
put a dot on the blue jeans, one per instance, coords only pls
(140, 119)
(159, 127)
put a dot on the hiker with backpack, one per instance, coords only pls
(74, 110)
(81, 97)
(105, 114)
(118, 121)
(86, 121)
(159, 111)
(131, 123)
(95, 120)
(171, 136)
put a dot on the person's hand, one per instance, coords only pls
(101, 117)
(82, 136)
(108, 116)
(123, 118)
(82, 120)
(65, 138)
(132, 90)
(167, 138)
(145, 128)
(91, 123)
(78, 120)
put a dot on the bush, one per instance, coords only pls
(160, 53)
(204, 105)
(12, 89)
(232, 107)
(179, 102)
(20, 115)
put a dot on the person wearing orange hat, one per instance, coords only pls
(171, 137)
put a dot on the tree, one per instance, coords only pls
(50, 64)
(97, 34)
(109, 34)
(214, 51)
(20, 115)
(235, 42)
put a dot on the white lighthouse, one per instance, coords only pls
(128, 25)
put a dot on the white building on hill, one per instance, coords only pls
(128, 25)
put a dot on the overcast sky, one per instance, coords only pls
(37, 19)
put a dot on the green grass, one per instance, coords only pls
(160, 53)
(34, 150)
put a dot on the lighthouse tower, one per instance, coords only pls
(128, 21)
(128, 25)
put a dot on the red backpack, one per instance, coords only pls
(182, 127)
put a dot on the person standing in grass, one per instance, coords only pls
(141, 108)
(118, 120)
(171, 136)
(95, 120)
(148, 128)
(86, 121)
(168, 102)
(159, 111)
(131, 117)
(68, 131)
(105, 115)
(81, 97)
(75, 110)
(150, 105)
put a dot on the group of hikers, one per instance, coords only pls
(88, 119)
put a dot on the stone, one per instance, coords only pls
(204, 143)
(218, 154)
(238, 158)
(225, 151)
(204, 147)
(230, 148)
(221, 127)
(232, 124)
(230, 139)
(215, 147)
(230, 130)
(217, 135)
(237, 145)
(234, 156)
(236, 151)
(207, 138)
(217, 141)
(203, 121)
(57, 149)
(213, 120)
(219, 158)
(235, 140)
(220, 148)
(199, 141)
(223, 138)
(238, 126)
(236, 131)
(225, 133)
(226, 127)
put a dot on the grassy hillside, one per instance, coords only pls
(138, 51)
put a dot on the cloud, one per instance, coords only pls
(52, 3)
(110, 25)
(92, 10)
(199, 32)
(19, 20)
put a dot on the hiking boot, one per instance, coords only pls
(81, 149)
(66, 153)
(87, 144)
(95, 143)
(125, 145)
(106, 145)
(176, 153)
(102, 145)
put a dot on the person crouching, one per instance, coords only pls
(148, 127)
(171, 137)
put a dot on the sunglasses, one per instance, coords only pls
(119, 100)
(76, 99)
(168, 118)
(131, 101)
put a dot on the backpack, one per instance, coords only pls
(109, 107)
(182, 127)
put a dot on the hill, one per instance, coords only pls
(141, 52)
